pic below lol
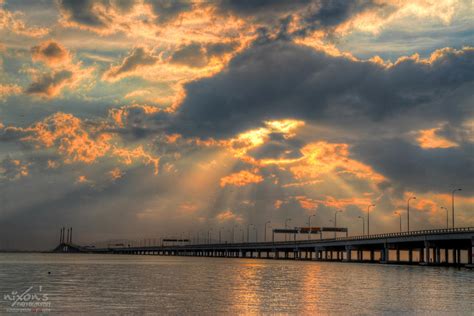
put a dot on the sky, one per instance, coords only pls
(143, 119)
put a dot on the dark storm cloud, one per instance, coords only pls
(283, 80)
(313, 15)
(415, 169)
(83, 12)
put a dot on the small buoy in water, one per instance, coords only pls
(49, 272)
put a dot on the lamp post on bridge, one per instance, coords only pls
(368, 218)
(233, 232)
(452, 201)
(248, 232)
(447, 216)
(286, 226)
(408, 212)
(242, 230)
(209, 236)
(400, 217)
(309, 224)
(363, 224)
(335, 221)
(265, 237)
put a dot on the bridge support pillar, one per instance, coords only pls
(427, 252)
(470, 253)
(372, 255)
(438, 255)
(446, 256)
(384, 254)
(398, 254)
(348, 253)
(454, 256)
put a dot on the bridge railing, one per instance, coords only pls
(313, 241)
(361, 237)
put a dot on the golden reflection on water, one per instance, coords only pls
(99, 284)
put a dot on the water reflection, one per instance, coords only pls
(148, 284)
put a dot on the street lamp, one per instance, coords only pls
(368, 218)
(256, 232)
(363, 224)
(408, 211)
(286, 226)
(220, 229)
(447, 216)
(400, 216)
(233, 232)
(209, 236)
(335, 221)
(248, 232)
(309, 224)
(452, 200)
(242, 230)
(265, 237)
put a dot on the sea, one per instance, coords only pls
(93, 284)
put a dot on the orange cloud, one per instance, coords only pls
(69, 135)
(307, 203)
(325, 158)
(128, 156)
(82, 179)
(115, 174)
(428, 139)
(278, 203)
(13, 21)
(228, 215)
(121, 115)
(329, 201)
(9, 89)
(13, 169)
(241, 178)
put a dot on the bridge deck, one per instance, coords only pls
(457, 245)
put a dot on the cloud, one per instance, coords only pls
(13, 169)
(137, 59)
(314, 89)
(63, 72)
(428, 138)
(50, 84)
(168, 10)
(8, 89)
(13, 21)
(199, 55)
(51, 53)
(241, 178)
(87, 14)
(78, 142)
(410, 167)
(228, 215)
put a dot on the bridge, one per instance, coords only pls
(438, 247)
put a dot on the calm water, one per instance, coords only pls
(114, 284)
